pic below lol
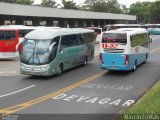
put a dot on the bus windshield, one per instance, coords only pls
(36, 52)
(114, 38)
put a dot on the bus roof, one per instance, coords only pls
(130, 31)
(50, 33)
(128, 25)
(22, 27)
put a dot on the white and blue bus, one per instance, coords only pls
(124, 49)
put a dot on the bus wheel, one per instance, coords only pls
(60, 69)
(85, 61)
(135, 67)
(146, 58)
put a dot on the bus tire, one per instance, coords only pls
(85, 61)
(146, 58)
(135, 66)
(60, 69)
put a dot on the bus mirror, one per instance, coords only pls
(19, 47)
(51, 46)
(150, 40)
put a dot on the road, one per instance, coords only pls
(81, 93)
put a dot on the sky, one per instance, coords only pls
(124, 2)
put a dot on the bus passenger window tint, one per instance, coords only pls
(114, 38)
(88, 38)
(141, 40)
(81, 39)
(1, 35)
(69, 41)
(9, 35)
(22, 33)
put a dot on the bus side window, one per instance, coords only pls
(1, 35)
(81, 39)
(64, 43)
(68, 41)
(73, 40)
(10, 35)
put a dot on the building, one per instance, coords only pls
(37, 15)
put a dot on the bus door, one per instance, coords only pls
(113, 49)
(8, 40)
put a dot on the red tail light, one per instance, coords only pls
(126, 60)
(100, 58)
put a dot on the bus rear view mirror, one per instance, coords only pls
(51, 47)
(150, 40)
(19, 47)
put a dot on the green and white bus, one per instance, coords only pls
(50, 51)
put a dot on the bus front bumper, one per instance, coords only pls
(43, 70)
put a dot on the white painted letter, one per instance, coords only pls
(82, 98)
(103, 101)
(92, 100)
(128, 87)
(59, 96)
(70, 97)
(128, 103)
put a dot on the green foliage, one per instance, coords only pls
(111, 6)
(148, 104)
(69, 4)
(154, 12)
(146, 12)
(25, 2)
(49, 3)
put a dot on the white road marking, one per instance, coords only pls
(92, 100)
(15, 92)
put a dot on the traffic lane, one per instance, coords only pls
(44, 85)
(9, 67)
(155, 37)
(155, 43)
(109, 94)
(154, 60)
(9, 85)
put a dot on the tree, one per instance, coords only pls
(49, 3)
(9, 1)
(103, 6)
(125, 9)
(142, 10)
(25, 2)
(155, 10)
(69, 4)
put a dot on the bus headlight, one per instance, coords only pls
(45, 68)
(22, 67)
